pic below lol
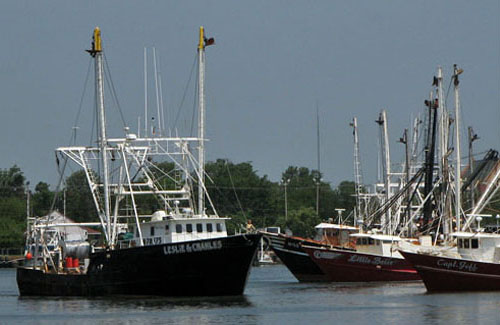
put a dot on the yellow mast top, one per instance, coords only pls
(97, 40)
(201, 45)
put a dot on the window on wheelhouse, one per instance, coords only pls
(152, 231)
(460, 243)
(219, 227)
(189, 228)
(167, 229)
(466, 243)
(209, 227)
(178, 228)
(474, 243)
(199, 227)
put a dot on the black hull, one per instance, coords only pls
(289, 251)
(214, 267)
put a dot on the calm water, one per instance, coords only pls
(272, 296)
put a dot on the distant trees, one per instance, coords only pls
(12, 207)
(79, 202)
(235, 189)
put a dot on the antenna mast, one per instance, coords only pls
(458, 185)
(357, 170)
(96, 52)
(201, 123)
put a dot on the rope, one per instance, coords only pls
(185, 92)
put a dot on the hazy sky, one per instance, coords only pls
(272, 63)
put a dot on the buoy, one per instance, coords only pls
(69, 262)
(29, 256)
(76, 263)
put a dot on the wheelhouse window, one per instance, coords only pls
(219, 227)
(199, 227)
(370, 241)
(167, 229)
(460, 243)
(209, 227)
(474, 243)
(189, 228)
(466, 243)
(178, 229)
(152, 231)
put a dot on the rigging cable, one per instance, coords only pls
(235, 194)
(75, 124)
(107, 74)
(185, 92)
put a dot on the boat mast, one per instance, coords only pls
(201, 123)
(96, 52)
(458, 185)
(357, 172)
(443, 123)
(386, 218)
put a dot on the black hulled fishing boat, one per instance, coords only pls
(181, 249)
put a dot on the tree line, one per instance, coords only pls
(298, 202)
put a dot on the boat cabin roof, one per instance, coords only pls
(335, 226)
(377, 237)
(463, 234)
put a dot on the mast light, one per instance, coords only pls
(97, 40)
(201, 45)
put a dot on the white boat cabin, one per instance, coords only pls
(165, 229)
(483, 247)
(377, 244)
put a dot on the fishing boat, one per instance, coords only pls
(290, 250)
(178, 249)
(469, 258)
(475, 266)
(374, 260)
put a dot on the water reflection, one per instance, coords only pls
(134, 302)
(271, 297)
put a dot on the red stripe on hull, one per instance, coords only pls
(450, 274)
(345, 266)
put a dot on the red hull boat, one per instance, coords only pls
(454, 274)
(348, 266)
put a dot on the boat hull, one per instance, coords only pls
(349, 266)
(289, 251)
(452, 274)
(214, 267)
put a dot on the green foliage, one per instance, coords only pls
(236, 189)
(302, 186)
(42, 199)
(12, 221)
(12, 182)
(79, 203)
(300, 222)
(236, 224)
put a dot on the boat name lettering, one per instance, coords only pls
(292, 244)
(192, 247)
(457, 265)
(377, 260)
(326, 255)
